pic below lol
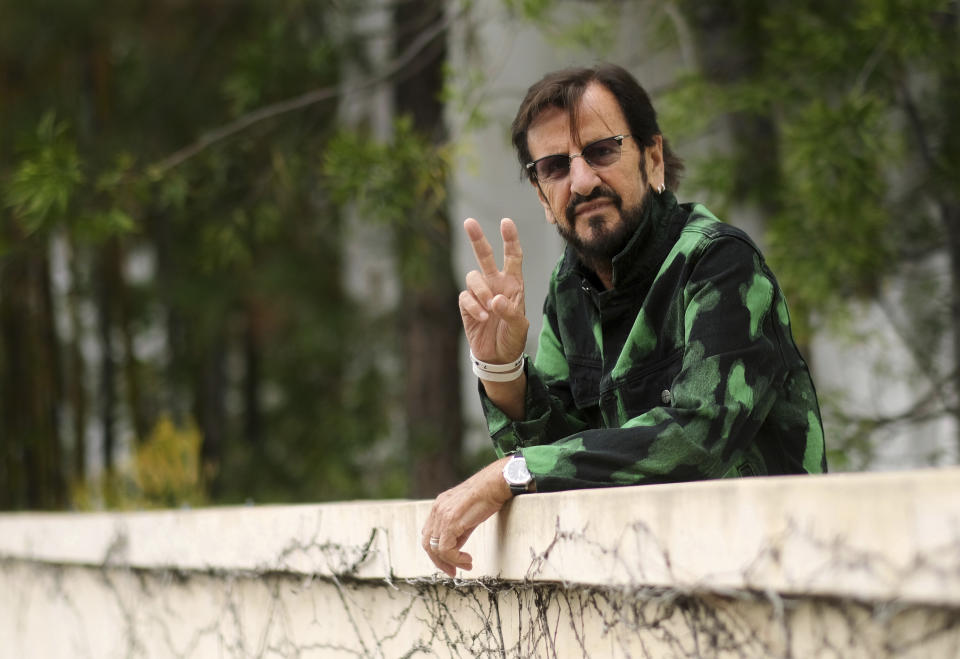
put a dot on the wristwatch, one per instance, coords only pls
(517, 475)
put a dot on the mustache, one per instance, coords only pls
(601, 192)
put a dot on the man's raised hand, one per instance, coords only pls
(492, 306)
(496, 325)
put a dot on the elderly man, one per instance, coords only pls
(666, 353)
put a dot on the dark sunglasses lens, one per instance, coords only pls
(602, 153)
(552, 167)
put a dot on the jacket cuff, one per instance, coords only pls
(509, 435)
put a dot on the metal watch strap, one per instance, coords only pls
(517, 487)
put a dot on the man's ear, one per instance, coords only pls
(547, 211)
(654, 162)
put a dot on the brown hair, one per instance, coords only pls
(563, 89)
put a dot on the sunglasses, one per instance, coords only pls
(601, 153)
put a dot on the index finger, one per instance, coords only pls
(481, 247)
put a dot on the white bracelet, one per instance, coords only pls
(496, 368)
(498, 377)
(498, 372)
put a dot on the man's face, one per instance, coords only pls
(595, 209)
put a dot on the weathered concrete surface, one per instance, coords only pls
(843, 565)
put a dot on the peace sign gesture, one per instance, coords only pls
(492, 306)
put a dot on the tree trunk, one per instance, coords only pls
(31, 468)
(951, 217)
(131, 365)
(172, 401)
(430, 323)
(950, 206)
(756, 156)
(76, 371)
(50, 390)
(211, 408)
(253, 416)
(108, 385)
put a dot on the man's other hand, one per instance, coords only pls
(458, 511)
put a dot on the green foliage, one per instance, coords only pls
(163, 472)
(167, 466)
(465, 95)
(280, 55)
(830, 78)
(375, 175)
(238, 316)
(46, 178)
(400, 183)
(583, 26)
(832, 242)
(681, 110)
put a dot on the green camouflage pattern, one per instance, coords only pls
(685, 370)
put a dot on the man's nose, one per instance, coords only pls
(583, 178)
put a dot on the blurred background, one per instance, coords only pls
(230, 241)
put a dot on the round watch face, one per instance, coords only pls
(516, 472)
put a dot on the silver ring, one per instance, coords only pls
(434, 542)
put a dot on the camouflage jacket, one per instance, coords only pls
(685, 370)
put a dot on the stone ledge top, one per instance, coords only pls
(873, 536)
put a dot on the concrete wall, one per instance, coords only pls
(862, 565)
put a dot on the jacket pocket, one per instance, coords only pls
(585, 381)
(648, 387)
